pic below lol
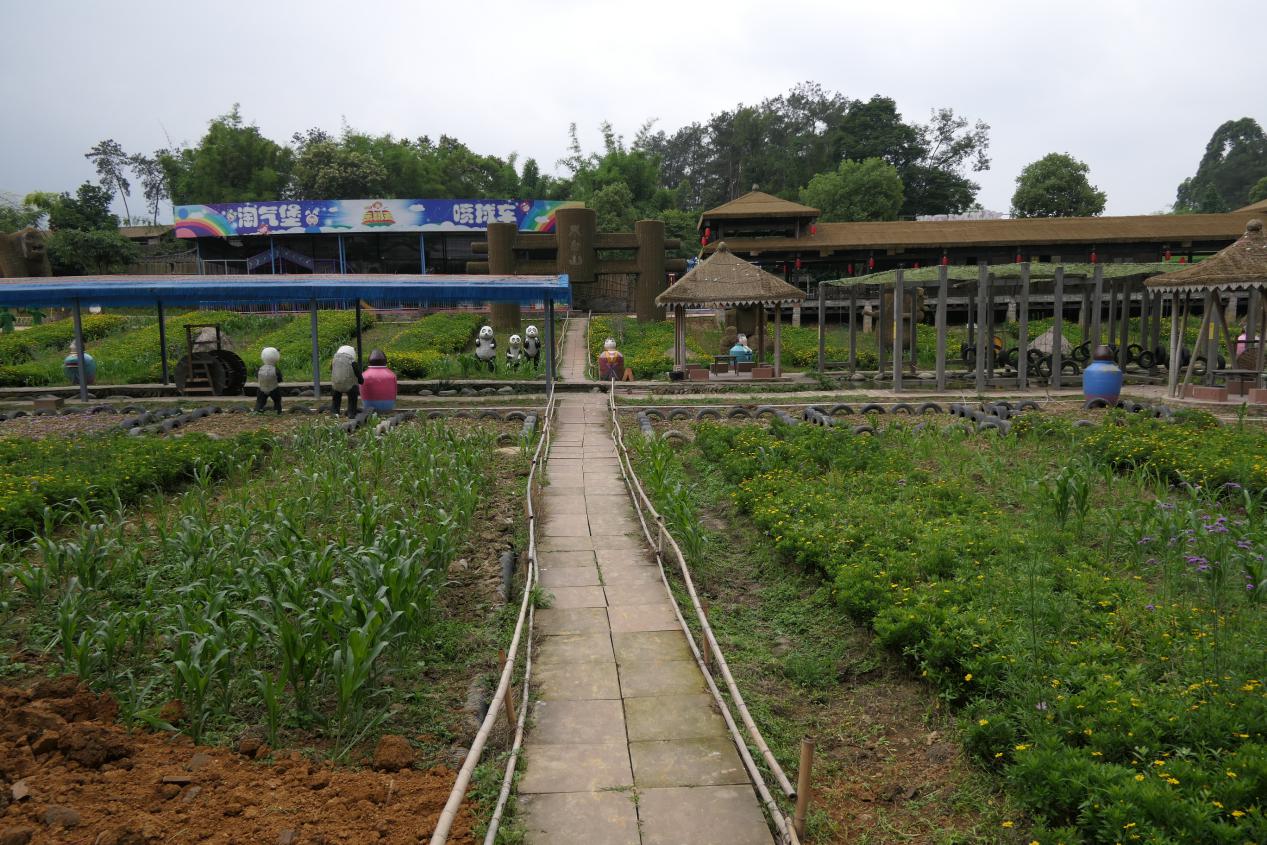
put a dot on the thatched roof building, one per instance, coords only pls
(1241, 266)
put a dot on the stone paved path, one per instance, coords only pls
(625, 746)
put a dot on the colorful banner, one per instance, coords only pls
(310, 217)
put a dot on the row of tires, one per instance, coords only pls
(169, 419)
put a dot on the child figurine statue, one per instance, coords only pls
(532, 346)
(611, 364)
(515, 352)
(270, 380)
(486, 347)
(379, 390)
(70, 365)
(741, 351)
(345, 377)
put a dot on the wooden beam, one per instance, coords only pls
(1176, 346)
(877, 330)
(983, 297)
(1097, 305)
(778, 340)
(822, 327)
(898, 291)
(853, 330)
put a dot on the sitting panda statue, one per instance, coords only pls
(486, 347)
(532, 346)
(515, 352)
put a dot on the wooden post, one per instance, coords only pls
(705, 650)
(679, 321)
(1097, 305)
(1210, 339)
(899, 285)
(803, 787)
(504, 316)
(162, 340)
(983, 296)
(1227, 338)
(878, 334)
(943, 291)
(79, 352)
(1258, 321)
(914, 338)
(778, 340)
(1154, 340)
(1176, 346)
(1145, 316)
(1022, 340)
(650, 238)
(510, 692)
(1084, 315)
(760, 334)
(551, 364)
(1057, 330)
(853, 329)
(1192, 362)
(1124, 324)
(1113, 312)
(990, 318)
(822, 327)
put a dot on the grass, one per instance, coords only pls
(1097, 632)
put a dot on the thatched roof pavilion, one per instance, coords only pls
(724, 280)
(1239, 267)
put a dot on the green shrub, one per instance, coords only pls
(447, 333)
(425, 364)
(24, 345)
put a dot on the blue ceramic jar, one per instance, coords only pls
(1102, 379)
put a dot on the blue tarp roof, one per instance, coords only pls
(325, 288)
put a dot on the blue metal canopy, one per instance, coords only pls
(198, 290)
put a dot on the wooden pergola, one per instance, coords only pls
(724, 280)
(1240, 267)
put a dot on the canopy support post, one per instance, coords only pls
(983, 283)
(1172, 368)
(778, 340)
(915, 292)
(79, 351)
(679, 334)
(316, 353)
(1022, 338)
(943, 292)
(822, 327)
(1200, 346)
(549, 308)
(1057, 330)
(1097, 306)
(877, 330)
(1258, 322)
(343, 258)
(162, 340)
(853, 329)
(899, 289)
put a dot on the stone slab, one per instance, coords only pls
(642, 617)
(548, 560)
(569, 576)
(575, 768)
(673, 717)
(575, 681)
(616, 541)
(580, 722)
(563, 504)
(565, 544)
(709, 815)
(628, 556)
(650, 646)
(621, 575)
(661, 677)
(566, 525)
(550, 621)
(581, 818)
(686, 762)
(576, 648)
(649, 593)
(564, 597)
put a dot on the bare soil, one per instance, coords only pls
(70, 775)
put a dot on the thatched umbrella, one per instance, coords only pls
(1239, 267)
(724, 280)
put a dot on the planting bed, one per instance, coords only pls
(1096, 630)
(331, 593)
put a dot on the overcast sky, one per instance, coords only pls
(1133, 88)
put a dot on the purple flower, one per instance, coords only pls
(1144, 541)
(1150, 607)
(1152, 561)
(1196, 560)
(1249, 586)
(1244, 544)
(1166, 506)
(1232, 485)
(1205, 567)
(1042, 705)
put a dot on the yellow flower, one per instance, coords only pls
(1009, 823)
(983, 722)
(968, 677)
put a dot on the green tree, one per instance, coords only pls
(76, 252)
(112, 165)
(857, 190)
(1259, 191)
(87, 211)
(1235, 160)
(17, 215)
(233, 161)
(149, 172)
(1056, 186)
(325, 167)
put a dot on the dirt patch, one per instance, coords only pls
(58, 426)
(71, 775)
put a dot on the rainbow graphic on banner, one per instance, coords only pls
(202, 222)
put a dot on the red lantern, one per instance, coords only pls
(708, 233)
(813, 228)
(798, 264)
(916, 265)
(849, 270)
(1183, 259)
(1166, 255)
(1018, 258)
(1093, 256)
(945, 260)
(703, 241)
(871, 263)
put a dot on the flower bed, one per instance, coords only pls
(1102, 635)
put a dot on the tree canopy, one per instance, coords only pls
(1056, 186)
(84, 232)
(1235, 161)
(858, 190)
(233, 161)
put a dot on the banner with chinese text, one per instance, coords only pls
(300, 217)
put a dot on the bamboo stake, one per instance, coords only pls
(803, 786)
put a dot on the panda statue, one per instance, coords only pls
(486, 348)
(532, 346)
(515, 352)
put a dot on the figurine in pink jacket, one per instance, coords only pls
(379, 390)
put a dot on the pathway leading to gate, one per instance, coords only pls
(625, 744)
